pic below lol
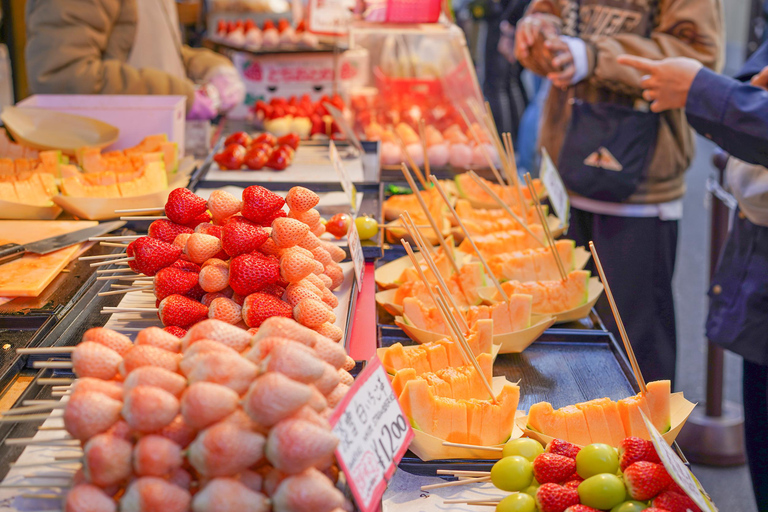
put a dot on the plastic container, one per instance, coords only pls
(134, 115)
(413, 11)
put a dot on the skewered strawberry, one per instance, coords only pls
(183, 206)
(287, 232)
(175, 330)
(90, 359)
(181, 478)
(174, 281)
(222, 205)
(152, 494)
(106, 460)
(167, 230)
(210, 297)
(88, 498)
(307, 413)
(301, 199)
(331, 331)
(109, 338)
(240, 238)
(203, 218)
(250, 273)
(274, 289)
(336, 273)
(148, 409)
(328, 380)
(214, 278)
(322, 255)
(229, 495)
(310, 217)
(90, 413)
(260, 306)
(200, 347)
(345, 377)
(205, 403)
(309, 242)
(251, 479)
(231, 370)
(178, 432)
(209, 229)
(337, 253)
(181, 240)
(157, 377)
(295, 266)
(226, 310)
(156, 455)
(295, 293)
(201, 247)
(273, 397)
(214, 330)
(107, 387)
(224, 450)
(259, 204)
(296, 361)
(151, 255)
(335, 396)
(121, 430)
(310, 490)
(181, 311)
(157, 337)
(283, 327)
(311, 313)
(327, 281)
(147, 355)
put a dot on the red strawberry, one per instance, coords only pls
(572, 484)
(175, 330)
(209, 229)
(300, 199)
(274, 289)
(645, 480)
(183, 206)
(203, 218)
(277, 214)
(239, 299)
(675, 502)
(166, 230)
(249, 273)
(581, 508)
(181, 311)
(634, 449)
(259, 203)
(240, 238)
(173, 281)
(553, 468)
(196, 293)
(564, 448)
(555, 498)
(151, 255)
(239, 219)
(186, 266)
(655, 509)
(260, 306)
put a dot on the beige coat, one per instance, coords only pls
(82, 46)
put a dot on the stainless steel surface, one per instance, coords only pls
(55, 243)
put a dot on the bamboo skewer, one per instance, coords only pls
(491, 126)
(619, 323)
(512, 170)
(31, 441)
(423, 137)
(102, 256)
(462, 472)
(34, 408)
(487, 503)
(52, 364)
(108, 309)
(122, 278)
(125, 290)
(46, 350)
(54, 381)
(43, 464)
(115, 271)
(25, 418)
(445, 312)
(488, 190)
(547, 233)
(111, 262)
(457, 482)
(134, 210)
(415, 167)
(145, 217)
(473, 446)
(114, 238)
(110, 244)
(472, 242)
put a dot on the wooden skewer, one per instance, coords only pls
(49, 427)
(125, 290)
(30, 441)
(121, 278)
(469, 237)
(488, 190)
(43, 464)
(60, 393)
(102, 257)
(134, 210)
(27, 418)
(111, 262)
(473, 446)
(108, 309)
(111, 244)
(423, 138)
(145, 217)
(457, 482)
(415, 167)
(487, 503)
(547, 233)
(423, 278)
(39, 402)
(430, 218)
(114, 238)
(35, 486)
(52, 364)
(512, 171)
(481, 146)
(416, 235)
(462, 472)
(45, 350)
(54, 381)
(43, 497)
(68, 457)
(445, 312)
(619, 323)
(34, 408)
(115, 271)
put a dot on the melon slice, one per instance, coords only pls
(552, 297)
(468, 189)
(472, 277)
(576, 425)
(629, 409)
(548, 421)
(504, 241)
(8, 192)
(598, 426)
(7, 168)
(657, 396)
(533, 264)
(437, 356)
(419, 315)
(613, 419)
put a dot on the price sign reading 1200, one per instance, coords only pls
(373, 435)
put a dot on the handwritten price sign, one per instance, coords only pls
(373, 435)
(344, 179)
(356, 253)
(558, 195)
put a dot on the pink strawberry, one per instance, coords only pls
(240, 238)
(296, 361)
(87, 498)
(148, 409)
(337, 253)
(644, 480)
(210, 297)
(151, 255)
(222, 205)
(309, 242)
(310, 490)
(296, 445)
(225, 368)
(564, 448)
(155, 455)
(175, 330)
(318, 229)
(157, 337)
(203, 218)
(181, 240)
(335, 396)
(209, 229)
(181, 311)
(300, 199)
(225, 450)
(230, 494)
(295, 266)
(152, 493)
(288, 232)
(201, 247)
(217, 331)
(310, 217)
(675, 502)
(215, 262)
(157, 377)
(273, 397)
(551, 497)
(295, 293)
(147, 355)
(249, 273)
(90, 413)
(205, 403)
(322, 255)
(166, 230)
(259, 204)
(178, 432)
(269, 247)
(634, 449)
(328, 380)
(107, 387)
(173, 281)
(553, 468)
(106, 460)
(214, 278)
(336, 275)
(327, 281)
(109, 338)
(226, 310)
(260, 306)
(345, 377)
(183, 206)
(91, 359)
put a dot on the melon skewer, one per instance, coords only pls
(619, 323)
(423, 139)
(481, 146)
(443, 304)
(469, 237)
(416, 235)
(503, 205)
(547, 233)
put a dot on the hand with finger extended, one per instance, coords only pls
(665, 82)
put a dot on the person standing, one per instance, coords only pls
(735, 116)
(623, 165)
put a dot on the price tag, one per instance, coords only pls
(677, 470)
(356, 253)
(373, 435)
(329, 17)
(558, 195)
(346, 181)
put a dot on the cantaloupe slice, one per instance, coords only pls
(543, 418)
(613, 419)
(533, 264)
(576, 425)
(437, 356)
(472, 278)
(504, 241)
(8, 192)
(552, 297)
(598, 426)
(7, 168)
(450, 382)
(419, 315)
(629, 409)
(657, 396)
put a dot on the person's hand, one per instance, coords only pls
(666, 82)
(562, 60)
(205, 105)
(506, 46)
(761, 79)
(528, 29)
(228, 84)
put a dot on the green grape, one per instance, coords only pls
(603, 491)
(517, 503)
(367, 227)
(630, 506)
(524, 447)
(512, 473)
(595, 459)
(531, 490)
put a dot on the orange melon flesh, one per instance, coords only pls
(613, 420)
(657, 396)
(504, 241)
(8, 192)
(466, 211)
(7, 168)
(467, 188)
(533, 264)
(419, 315)
(472, 277)
(450, 382)
(475, 413)
(543, 418)
(596, 422)
(629, 409)
(437, 356)
(552, 297)
(576, 425)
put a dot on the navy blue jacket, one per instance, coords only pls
(731, 113)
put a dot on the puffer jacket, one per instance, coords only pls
(82, 47)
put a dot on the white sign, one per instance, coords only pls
(330, 17)
(558, 195)
(356, 253)
(346, 181)
(677, 470)
(373, 433)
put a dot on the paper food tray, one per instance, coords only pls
(680, 410)
(19, 211)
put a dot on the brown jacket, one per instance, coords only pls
(81, 47)
(679, 28)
